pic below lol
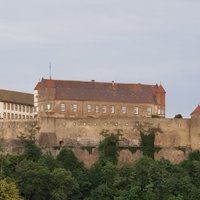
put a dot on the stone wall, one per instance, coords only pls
(176, 139)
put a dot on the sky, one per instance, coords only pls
(128, 41)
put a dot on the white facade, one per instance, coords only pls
(13, 111)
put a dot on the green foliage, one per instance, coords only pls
(195, 155)
(9, 190)
(178, 116)
(33, 180)
(31, 151)
(109, 148)
(147, 141)
(44, 177)
(68, 160)
(66, 185)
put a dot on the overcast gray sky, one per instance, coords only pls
(137, 41)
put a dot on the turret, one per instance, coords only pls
(160, 99)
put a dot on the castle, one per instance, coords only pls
(78, 99)
(73, 114)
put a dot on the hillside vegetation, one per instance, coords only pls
(36, 176)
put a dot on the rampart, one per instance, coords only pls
(177, 137)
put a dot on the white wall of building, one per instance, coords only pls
(13, 111)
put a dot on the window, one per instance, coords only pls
(15, 116)
(103, 109)
(12, 116)
(89, 108)
(62, 107)
(8, 106)
(12, 106)
(23, 108)
(4, 115)
(135, 110)
(4, 106)
(48, 106)
(20, 116)
(74, 107)
(16, 106)
(96, 109)
(27, 109)
(123, 109)
(149, 111)
(20, 108)
(159, 111)
(112, 109)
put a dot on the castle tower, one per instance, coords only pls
(160, 98)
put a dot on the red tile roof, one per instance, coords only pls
(101, 91)
(16, 97)
(196, 111)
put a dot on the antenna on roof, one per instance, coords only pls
(50, 70)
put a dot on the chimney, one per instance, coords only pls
(92, 80)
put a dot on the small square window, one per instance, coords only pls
(149, 111)
(48, 106)
(123, 109)
(103, 109)
(89, 108)
(74, 107)
(112, 109)
(62, 107)
(96, 109)
(135, 110)
(159, 111)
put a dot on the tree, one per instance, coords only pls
(68, 160)
(31, 151)
(9, 190)
(33, 180)
(109, 148)
(64, 186)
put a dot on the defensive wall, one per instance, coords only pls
(176, 139)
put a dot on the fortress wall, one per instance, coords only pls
(84, 134)
(195, 133)
(11, 131)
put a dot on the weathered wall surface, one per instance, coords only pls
(175, 132)
(177, 138)
(12, 131)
